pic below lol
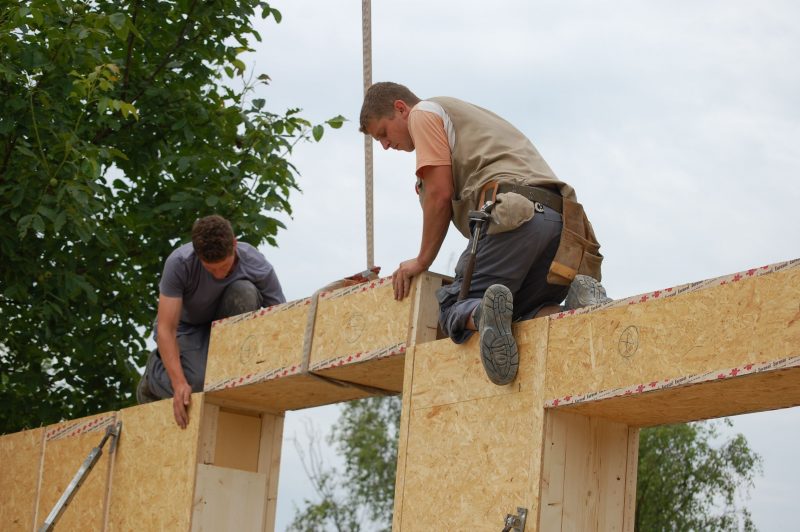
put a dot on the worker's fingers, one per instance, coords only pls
(180, 405)
(407, 287)
(179, 411)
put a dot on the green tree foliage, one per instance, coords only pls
(363, 497)
(686, 482)
(689, 478)
(118, 128)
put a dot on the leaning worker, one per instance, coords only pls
(210, 278)
(479, 171)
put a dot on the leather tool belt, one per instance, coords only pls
(578, 250)
(542, 195)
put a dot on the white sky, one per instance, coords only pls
(677, 123)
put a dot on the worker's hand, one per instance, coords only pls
(401, 278)
(180, 404)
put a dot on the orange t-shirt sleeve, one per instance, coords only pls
(430, 140)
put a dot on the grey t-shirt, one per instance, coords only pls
(185, 277)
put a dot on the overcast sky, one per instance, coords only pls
(677, 123)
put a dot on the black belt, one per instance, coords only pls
(545, 196)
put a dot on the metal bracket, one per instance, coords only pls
(516, 523)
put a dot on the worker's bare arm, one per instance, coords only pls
(437, 210)
(169, 312)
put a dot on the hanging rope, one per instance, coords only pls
(366, 31)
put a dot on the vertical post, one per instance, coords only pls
(366, 30)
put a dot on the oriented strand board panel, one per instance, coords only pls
(384, 373)
(292, 392)
(20, 459)
(367, 318)
(154, 468)
(748, 321)
(725, 397)
(584, 470)
(67, 445)
(472, 449)
(257, 342)
(228, 499)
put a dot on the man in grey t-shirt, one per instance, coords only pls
(210, 278)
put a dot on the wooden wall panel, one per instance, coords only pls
(63, 457)
(228, 499)
(20, 463)
(472, 449)
(585, 466)
(756, 392)
(255, 345)
(360, 322)
(237, 441)
(752, 320)
(154, 468)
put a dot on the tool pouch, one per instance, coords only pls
(511, 210)
(578, 251)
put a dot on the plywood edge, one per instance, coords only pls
(402, 444)
(687, 288)
(360, 357)
(274, 309)
(631, 475)
(424, 319)
(653, 386)
(752, 392)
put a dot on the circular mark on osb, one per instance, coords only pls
(628, 341)
(354, 327)
(248, 349)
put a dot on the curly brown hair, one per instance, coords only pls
(212, 238)
(379, 101)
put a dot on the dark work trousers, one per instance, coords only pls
(240, 297)
(518, 259)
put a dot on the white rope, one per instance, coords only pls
(366, 31)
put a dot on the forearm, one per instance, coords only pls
(171, 356)
(436, 214)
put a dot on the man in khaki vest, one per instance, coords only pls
(524, 267)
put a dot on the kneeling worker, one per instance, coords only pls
(532, 243)
(210, 278)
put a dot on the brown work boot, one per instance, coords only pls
(498, 348)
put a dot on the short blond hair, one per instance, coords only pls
(379, 101)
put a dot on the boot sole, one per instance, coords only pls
(498, 348)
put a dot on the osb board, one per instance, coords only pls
(584, 469)
(238, 440)
(727, 397)
(445, 372)
(63, 457)
(256, 345)
(470, 463)
(20, 461)
(228, 499)
(154, 469)
(742, 322)
(384, 373)
(360, 322)
(286, 393)
(471, 447)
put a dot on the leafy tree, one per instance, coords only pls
(366, 436)
(688, 478)
(119, 127)
(683, 478)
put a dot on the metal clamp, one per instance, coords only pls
(516, 523)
